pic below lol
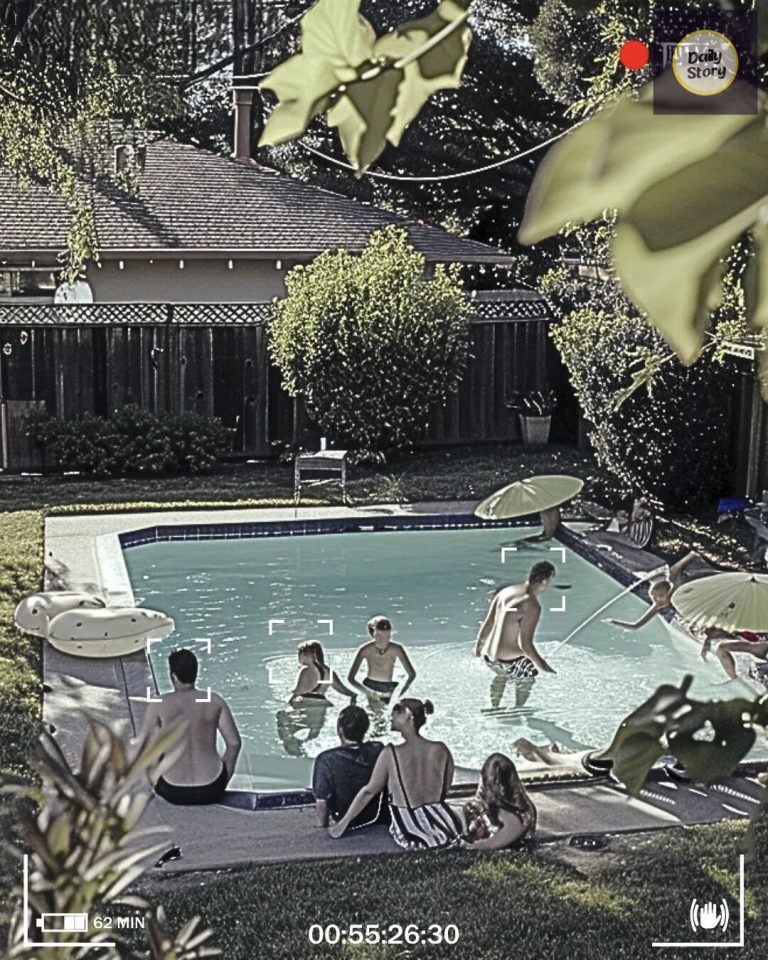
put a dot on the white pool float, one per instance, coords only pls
(35, 612)
(108, 632)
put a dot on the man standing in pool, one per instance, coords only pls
(506, 636)
(380, 655)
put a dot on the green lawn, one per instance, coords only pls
(460, 474)
(598, 906)
(603, 906)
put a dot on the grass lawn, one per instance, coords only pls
(556, 902)
(459, 474)
(530, 906)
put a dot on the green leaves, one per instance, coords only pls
(428, 63)
(685, 188)
(371, 88)
(369, 344)
(86, 851)
(335, 42)
(709, 738)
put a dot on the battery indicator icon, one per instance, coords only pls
(63, 922)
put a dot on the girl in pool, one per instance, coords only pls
(315, 676)
(308, 700)
(501, 814)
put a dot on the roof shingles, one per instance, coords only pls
(193, 200)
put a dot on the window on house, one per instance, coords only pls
(32, 282)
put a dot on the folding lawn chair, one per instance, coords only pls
(637, 527)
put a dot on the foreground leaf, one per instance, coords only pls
(710, 738)
(372, 89)
(335, 41)
(670, 245)
(685, 188)
(440, 68)
(611, 159)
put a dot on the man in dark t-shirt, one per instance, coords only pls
(340, 773)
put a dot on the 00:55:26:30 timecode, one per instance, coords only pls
(391, 933)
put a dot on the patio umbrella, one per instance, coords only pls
(731, 601)
(533, 495)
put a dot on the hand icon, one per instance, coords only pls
(709, 916)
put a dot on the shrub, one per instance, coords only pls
(132, 442)
(84, 849)
(370, 344)
(671, 441)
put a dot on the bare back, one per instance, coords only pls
(426, 768)
(199, 762)
(513, 604)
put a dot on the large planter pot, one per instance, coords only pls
(535, 429)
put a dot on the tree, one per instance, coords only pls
(567, 45)
(74, 73)
(498, 111)
(369, 344)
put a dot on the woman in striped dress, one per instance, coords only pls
(416, 774)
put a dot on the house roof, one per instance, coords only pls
(195, 202)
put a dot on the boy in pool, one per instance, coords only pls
(660, 592)
(380, 655)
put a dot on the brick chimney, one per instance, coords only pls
(243, 101)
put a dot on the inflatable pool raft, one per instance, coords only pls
(107, 632)
(35, 612)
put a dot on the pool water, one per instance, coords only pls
(435, 587)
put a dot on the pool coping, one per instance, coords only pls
(98, 543)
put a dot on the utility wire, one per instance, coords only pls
(441, 176)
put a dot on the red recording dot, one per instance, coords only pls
(633, 54)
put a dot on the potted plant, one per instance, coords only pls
(535, 409)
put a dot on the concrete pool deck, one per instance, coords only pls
(82, 552)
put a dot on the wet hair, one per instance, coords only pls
(419, 709)
(500, 788)
(314, 647)
(661, 585)
(353, 723)
(183, 666)
(383, 623)
(541, 571)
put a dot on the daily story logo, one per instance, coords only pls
(705, 62)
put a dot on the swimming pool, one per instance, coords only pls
(435, 586)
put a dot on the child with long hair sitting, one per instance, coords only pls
(501, 814)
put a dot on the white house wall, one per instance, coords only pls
(200, 281)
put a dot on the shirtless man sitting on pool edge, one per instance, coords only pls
(199, 775)
(506, 636)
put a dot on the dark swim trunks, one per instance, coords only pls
(383, 687)
(194, 796)
(521, 668)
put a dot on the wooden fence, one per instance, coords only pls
(213, 359)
